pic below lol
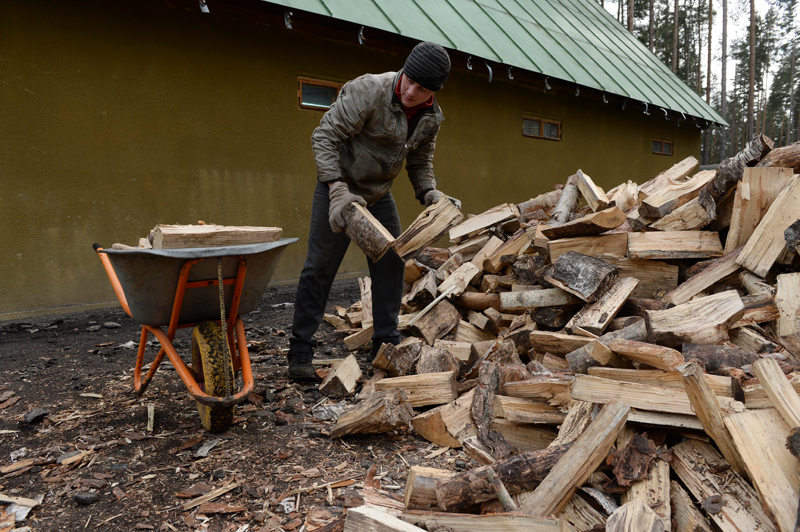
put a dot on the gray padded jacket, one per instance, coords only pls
(363, 139)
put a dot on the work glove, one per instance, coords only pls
(433, 196)
(341, 197)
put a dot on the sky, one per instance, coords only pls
(738, 24)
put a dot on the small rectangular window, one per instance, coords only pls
(316, 93)
(662, 147)
(541, 128)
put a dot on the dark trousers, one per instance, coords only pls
(326, 250)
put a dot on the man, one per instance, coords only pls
(376, 122)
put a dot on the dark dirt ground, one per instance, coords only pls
(274, 446)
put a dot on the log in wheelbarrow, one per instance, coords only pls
(180, 288)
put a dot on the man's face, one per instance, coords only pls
(412, 93)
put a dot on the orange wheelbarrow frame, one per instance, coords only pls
(235, 329)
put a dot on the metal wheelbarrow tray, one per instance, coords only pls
(180, 288)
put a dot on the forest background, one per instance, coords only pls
(739, 55)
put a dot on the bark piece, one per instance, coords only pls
(767, 242)
(447, 425)
(635, 515)
(612, 244)
(674, 194)
(654, 277)
(210, 235)
(760, 437)
(366, 231)
(341, 380)
(532, 299)
(593, 194)
(436, 323)
(424, 389)
(567, 203)
(588, 451)
(427, 228)
(715, 272)
(702, 321)
(595, 317)
(589, 225)
(554, 317)
(518, 473)
(653, 355)
(662, 245)
(380, 412)
(754, 195)
(581, 275)
(400, 359)
(476, 224)
(432, 257)
(702, 470)
(706, 407)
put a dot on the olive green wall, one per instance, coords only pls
(116, 116)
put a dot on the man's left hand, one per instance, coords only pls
(433, 196)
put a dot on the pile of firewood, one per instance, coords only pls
(626, 365)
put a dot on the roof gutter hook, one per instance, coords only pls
(547, 86)
(646, 110)
(361, 38)
(490, 71)
(287, 18)
(469, 63)
(510, 75)
(204, 6)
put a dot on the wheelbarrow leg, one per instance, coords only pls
(139, 385)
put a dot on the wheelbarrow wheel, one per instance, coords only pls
(211, 362)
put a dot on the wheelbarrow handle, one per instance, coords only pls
(112, 276)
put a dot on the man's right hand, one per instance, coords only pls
(341, 197)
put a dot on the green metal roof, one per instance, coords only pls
(572, 40)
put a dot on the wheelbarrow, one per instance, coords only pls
(181, 288)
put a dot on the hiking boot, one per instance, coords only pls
(300, 367)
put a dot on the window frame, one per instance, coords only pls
(301, 80)
(542, 122)
(662, 152)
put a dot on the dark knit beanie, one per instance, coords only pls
(429, 65)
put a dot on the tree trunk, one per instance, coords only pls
(650, 28)
(708, 65)
(675, 39)
(724, 81)
(630, 16)
(751, 87)
(791, 99)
